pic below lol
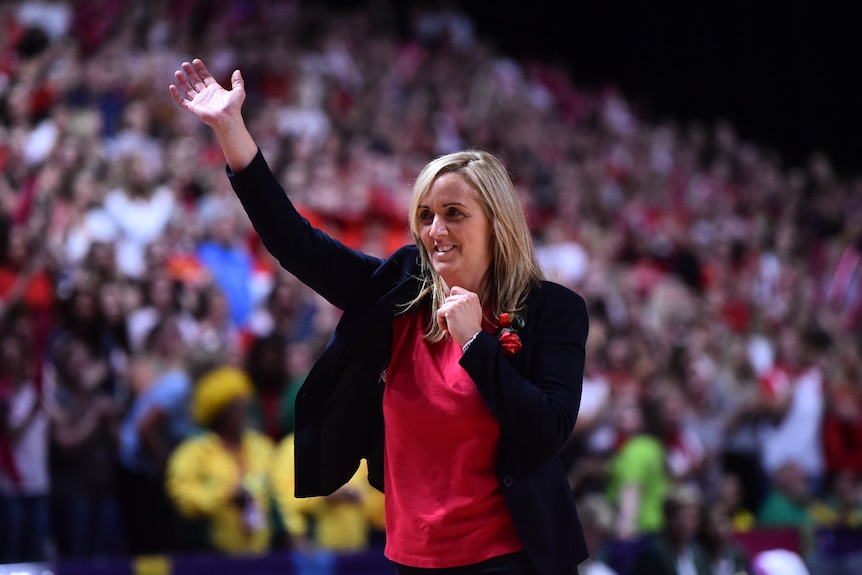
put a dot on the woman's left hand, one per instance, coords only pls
(460, 315)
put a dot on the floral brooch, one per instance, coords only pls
(510, 323)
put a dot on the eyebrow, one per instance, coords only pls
(446, 205)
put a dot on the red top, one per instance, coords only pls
(444, 506)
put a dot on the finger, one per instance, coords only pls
(183, 84)
(461, 292)
(193, 77)
(442, 319)
(236, 81)
(178, 98)
(203, 72)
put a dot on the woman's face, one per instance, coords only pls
(232, 421)
(456, 232)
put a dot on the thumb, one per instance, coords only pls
(236, 81)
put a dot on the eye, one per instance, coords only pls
(425, 216)
(454, 213)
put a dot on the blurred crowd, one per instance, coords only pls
(151, 348)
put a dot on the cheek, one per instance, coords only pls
(425, 236)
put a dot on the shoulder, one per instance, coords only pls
(258, 439)
(403, 266)
(260, 447)
(640, 450)
(196, 445)
(643, 443)
(406, 257)
(550, 291)
(175, 380)
(553, 304)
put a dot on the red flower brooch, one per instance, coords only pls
(510, 323)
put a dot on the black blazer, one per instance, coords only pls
(535, 394)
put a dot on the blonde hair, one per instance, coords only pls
(514, 268)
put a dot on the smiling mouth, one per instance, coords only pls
(443, 249)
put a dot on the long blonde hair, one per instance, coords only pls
(514, 269)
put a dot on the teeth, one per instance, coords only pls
(443, 249)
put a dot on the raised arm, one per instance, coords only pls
(330, 268)
(199, 93)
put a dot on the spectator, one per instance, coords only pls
(597, 517)
(842, 423)
(25, 275)
(684, 452)
(730, 494)
(156, 422)
(230, 263)
(161, 300)
(343, 521)
(724, 554)
(83, 447)
(676, 550)
(83, 320)
(27, 286)
(795, 403)
(140, 209)
(221, 476)
(25, 510)
(789, 502)
(215, 331)
(638, 479)
(741, 449)
(288, 311)
(272, 407)
(593, 440)
(841, 506)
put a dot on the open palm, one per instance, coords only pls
(199, 93)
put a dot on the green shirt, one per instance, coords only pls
(640, 462)
(778, 510)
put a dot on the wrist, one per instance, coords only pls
(469, 342)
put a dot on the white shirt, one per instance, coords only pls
(30, 451)
(140, 221)
(797, 437)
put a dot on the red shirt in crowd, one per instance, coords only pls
(842, 433)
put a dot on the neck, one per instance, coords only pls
(231, 438)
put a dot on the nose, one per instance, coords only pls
(438, 229)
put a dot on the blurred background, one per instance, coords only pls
(688, 169)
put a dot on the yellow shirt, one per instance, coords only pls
(341, 521)
(203, 477)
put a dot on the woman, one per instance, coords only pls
(219, 479)
(675, 549)
(24, 479)
(157, 420)
(454, 346)
(638, 479)
(725, 555)
(83, 423)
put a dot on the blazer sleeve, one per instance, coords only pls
(536, 393)
(333, 270)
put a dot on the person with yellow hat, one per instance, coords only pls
(344, 521)
(221, 476)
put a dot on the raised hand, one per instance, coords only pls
(198, 92)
